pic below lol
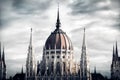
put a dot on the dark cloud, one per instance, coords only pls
(105, 10)
(31, 6)
(17, 9)
(88, 6)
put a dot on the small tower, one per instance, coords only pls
(83, 62)
(30, 63)
(22, 70)
(2, 64)
(115, 66)
(116, 52)
(95, 70)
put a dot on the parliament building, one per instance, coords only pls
(57, 60)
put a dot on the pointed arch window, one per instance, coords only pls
(64, 66)
(58, 68)
(52, 66)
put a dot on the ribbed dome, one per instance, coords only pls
(59, 40)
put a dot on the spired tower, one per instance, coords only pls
(85, 74)
(115, 66)
(57, 53)
(2, 64)
(30, 63)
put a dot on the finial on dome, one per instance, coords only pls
(58, 19)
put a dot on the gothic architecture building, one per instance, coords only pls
(2, 64)
(115, 66)
(58, 60)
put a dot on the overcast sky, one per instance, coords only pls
(100, 17)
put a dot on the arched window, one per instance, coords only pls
(64, 66)
(52, 66)
(58, 68)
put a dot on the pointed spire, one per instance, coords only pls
(95, 69)
(83, 63)
(3, 55)
(22, 70)
(84, 39)
(31, 38)
(0, 51)
(116, 52)
(58, 19)
(30, 62)
(113, 53)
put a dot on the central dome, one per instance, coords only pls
(58, 40)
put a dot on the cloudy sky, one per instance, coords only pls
(100, 17)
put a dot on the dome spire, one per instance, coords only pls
(58, 19)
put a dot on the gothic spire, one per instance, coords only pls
(84, 40)
(116, 51)
(30, 63)
(113, 53)
(30, 39)
(22, 70)
(3, 55)
(0, 51)
(58, 19)
(95, 69)
(83, 62)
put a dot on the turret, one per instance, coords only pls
(22, 70)
(0, 51)
(113, 55)
(83, 63)
(30, 63)
(95, 70)
(3, 57)
(116, 51)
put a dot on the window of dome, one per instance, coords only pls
(64, 52)
(52, 56)
(58, 52)
(69, 52)
(52, 52)
(63, 56)
(48, 57)
(47, 52)
(58, 56)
